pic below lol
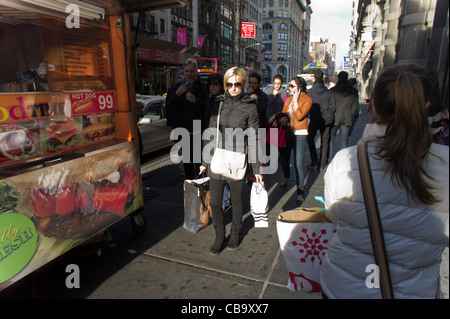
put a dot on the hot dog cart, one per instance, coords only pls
(69, 159)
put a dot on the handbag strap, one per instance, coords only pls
(218, 121)
(373, 217)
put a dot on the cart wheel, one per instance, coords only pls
(138, 223)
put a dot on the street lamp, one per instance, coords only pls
(248, 46)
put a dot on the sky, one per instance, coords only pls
(331, 19)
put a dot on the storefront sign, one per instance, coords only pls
(247, 30)
(156, 55)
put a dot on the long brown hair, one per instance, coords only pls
(399, 98)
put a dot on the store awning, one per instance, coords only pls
(149, 5)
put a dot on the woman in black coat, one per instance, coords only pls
(238, 113)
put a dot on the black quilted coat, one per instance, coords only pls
(238, 113)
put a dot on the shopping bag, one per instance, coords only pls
(259, 205)
(304, 235)
(197, 211)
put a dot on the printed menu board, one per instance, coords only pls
(27, 130)
(77, 58)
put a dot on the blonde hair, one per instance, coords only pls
(235, 71)
(191, 61)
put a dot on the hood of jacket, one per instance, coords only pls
(344, 88)
(244, 97)
(319, 88)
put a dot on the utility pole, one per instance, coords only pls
(237, 32)
(195, 23)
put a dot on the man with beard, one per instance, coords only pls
(186, 102)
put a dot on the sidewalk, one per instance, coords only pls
(168, 262)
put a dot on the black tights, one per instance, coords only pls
(216, 193)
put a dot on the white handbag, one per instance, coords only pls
(227, 163)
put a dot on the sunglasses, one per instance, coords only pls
(213, 83)
(292, 86)
(237, 85)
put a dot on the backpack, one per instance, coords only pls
(327, 112)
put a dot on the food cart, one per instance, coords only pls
(69, 159)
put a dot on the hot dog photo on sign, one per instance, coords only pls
(82, 106)
(92, 102)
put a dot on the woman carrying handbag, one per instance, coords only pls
(285, 141)
(411, 193)
(233, 110)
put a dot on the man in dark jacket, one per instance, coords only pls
(346, 99)
(321, 97)
(186, 102)
(254, 82)
(275, 96)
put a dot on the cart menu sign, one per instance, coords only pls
(77, 59)
(27, 129)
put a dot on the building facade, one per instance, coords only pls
(282, 30)
(285, 37)
(399, 31)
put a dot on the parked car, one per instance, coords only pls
(152, 123)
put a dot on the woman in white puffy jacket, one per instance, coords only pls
(411, 179)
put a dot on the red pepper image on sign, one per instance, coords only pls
(312, 246)
(110, 199)
(301, 279)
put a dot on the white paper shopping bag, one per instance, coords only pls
(304, 235)
(259, 205)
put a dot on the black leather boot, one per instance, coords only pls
(233, 243)
(217, 246)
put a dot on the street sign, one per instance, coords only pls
(247, 30)
(347, 63)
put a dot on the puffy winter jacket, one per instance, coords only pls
(415, 234)
(238, 112)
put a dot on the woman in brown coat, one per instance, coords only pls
(298, 106)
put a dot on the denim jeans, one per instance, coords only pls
(300, 144)
(343, 142)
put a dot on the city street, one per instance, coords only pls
(169, 262)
